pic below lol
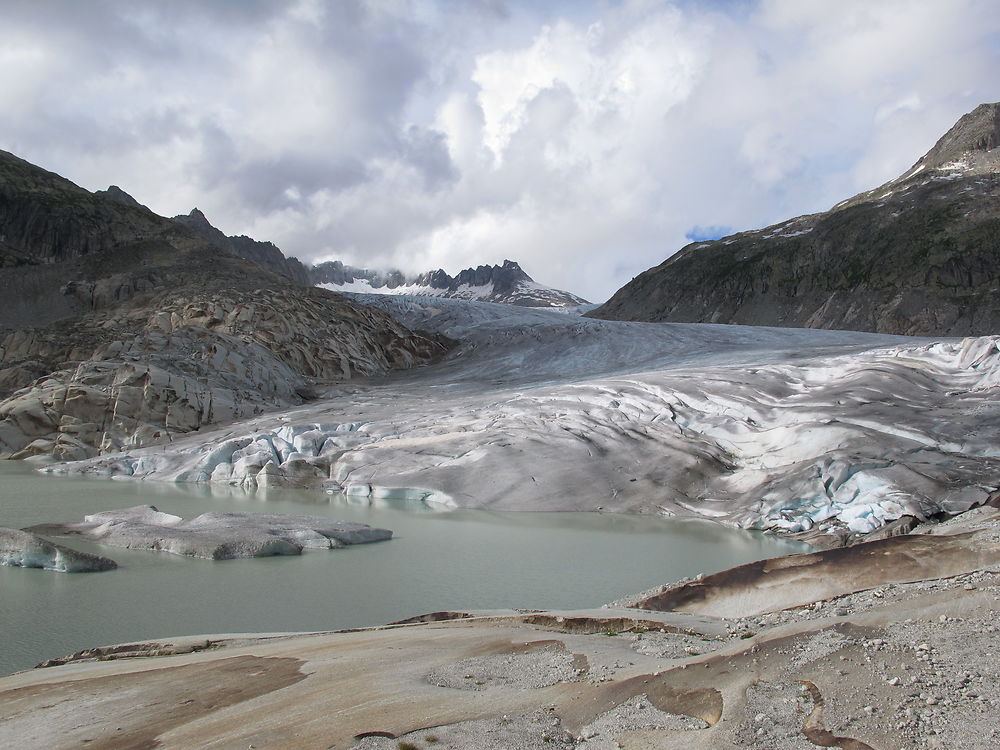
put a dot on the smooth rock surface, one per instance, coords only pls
(217, 536)
(22, 549)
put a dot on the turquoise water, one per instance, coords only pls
(456, 559)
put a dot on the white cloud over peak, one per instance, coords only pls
(584, 140)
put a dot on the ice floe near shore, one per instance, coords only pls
(216, 536)
(21, 549)
(759, 428)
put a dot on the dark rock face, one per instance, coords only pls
(269, 256)
(198, 223)
(45, 218)
(263, 253)
(918, 255)
(974, 136)
(504, 278)
(119, 196)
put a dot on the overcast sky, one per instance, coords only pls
(587, 140)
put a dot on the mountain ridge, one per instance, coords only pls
(917, 255)
(506, 284)
(125, 328)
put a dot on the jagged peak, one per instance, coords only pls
(970, 145)
(116, 194)
(976, 131)
(495, 283)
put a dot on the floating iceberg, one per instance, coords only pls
(217, 536)
(21, 549)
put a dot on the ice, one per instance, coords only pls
(21, 549)
(763, 428)
(217, 536)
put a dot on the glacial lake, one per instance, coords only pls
(437, 560)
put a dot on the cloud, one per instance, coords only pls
(588, 140)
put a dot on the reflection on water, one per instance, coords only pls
(438, 559)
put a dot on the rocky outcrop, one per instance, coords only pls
(918, 255)
(124, 328)
(263, 253)
(196, 362)
(22, 549)
(268, 255)
(117, 195)
(217, 536)
(45, 218)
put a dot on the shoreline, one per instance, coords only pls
(900, 664)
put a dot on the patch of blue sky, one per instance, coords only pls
(703, 234)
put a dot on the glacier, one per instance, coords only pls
(789, 430)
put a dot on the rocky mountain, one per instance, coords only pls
(266, 254)
(918, 255)
(123, 328)
(507, 284)
(46, 219)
